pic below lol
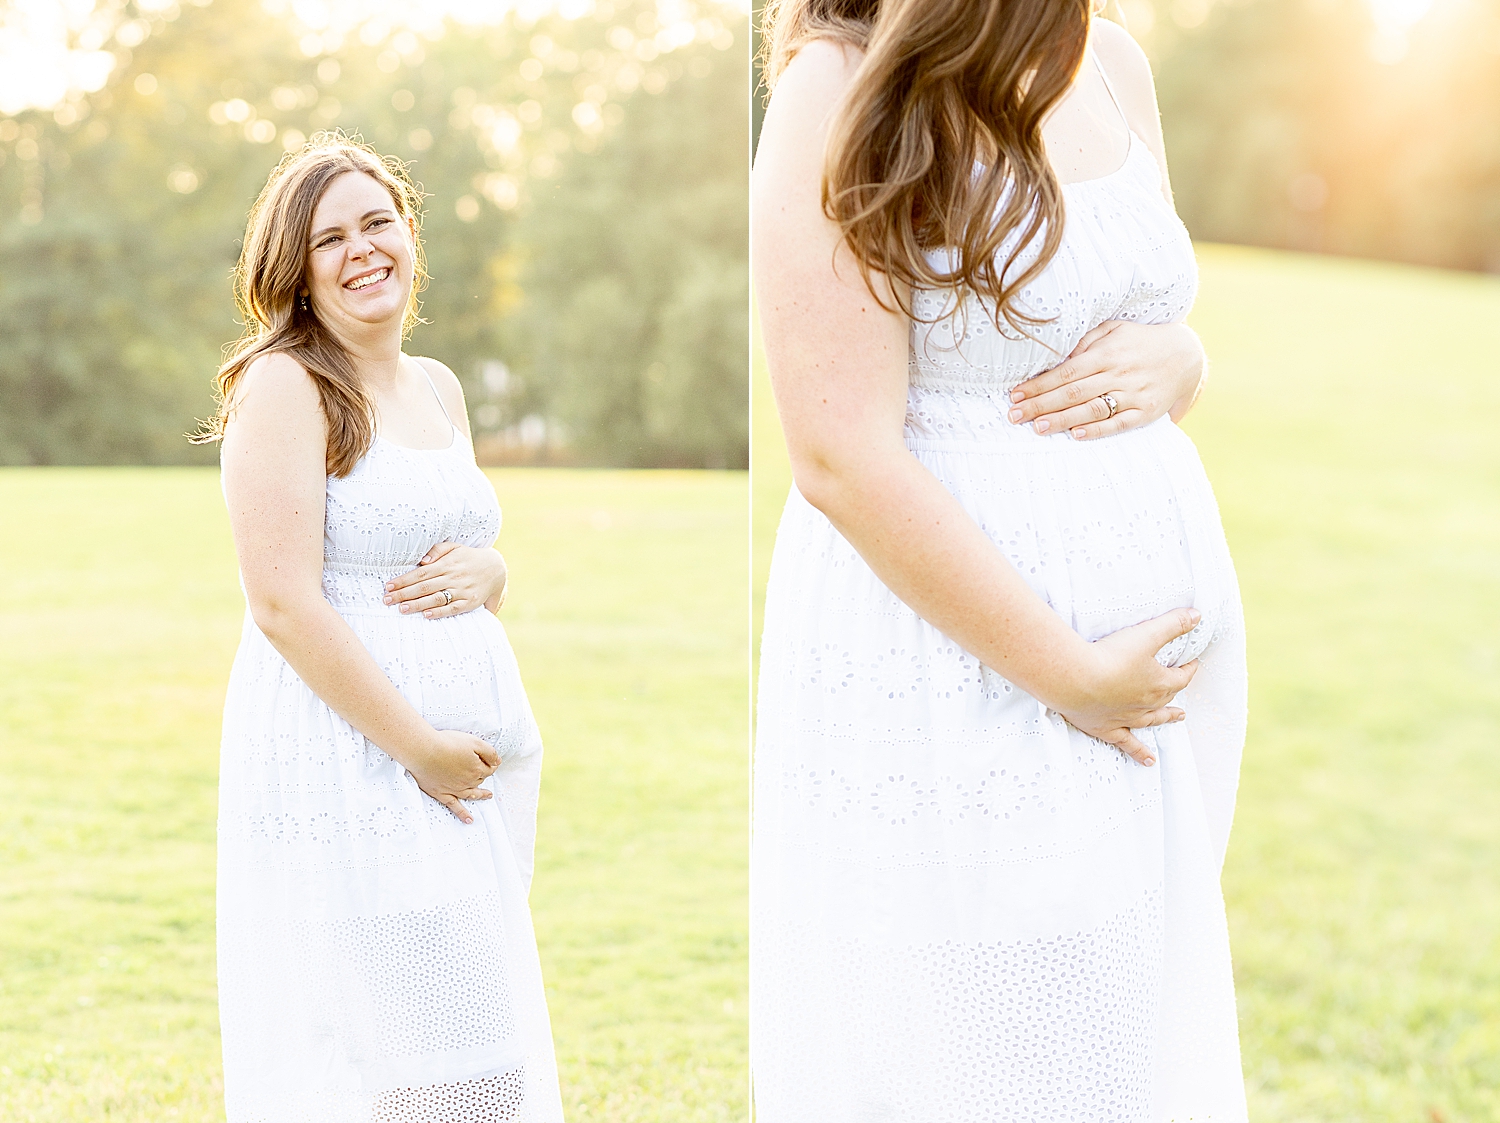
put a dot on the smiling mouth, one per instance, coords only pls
(367, 280)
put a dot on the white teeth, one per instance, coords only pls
(365, 282)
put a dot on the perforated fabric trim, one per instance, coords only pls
(376, 956)
(962, 908)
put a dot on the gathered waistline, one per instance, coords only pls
(1021, 439)
(924, 379)
(360, 570)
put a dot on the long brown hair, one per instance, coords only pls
(272, 276)
(937, 142)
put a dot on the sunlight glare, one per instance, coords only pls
(52, 51)
(37, 66)
(1394, 20)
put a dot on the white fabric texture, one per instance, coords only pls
(376, 957)
(962, 908)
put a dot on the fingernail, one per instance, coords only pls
(1149, 761)
(1078, 434)
(424, 561)
(390, 600)
(405, 608)
(428, 614)
(389, 585)
(1016, 396)
(1194, 615)
(1015, 415)
(1040, 426)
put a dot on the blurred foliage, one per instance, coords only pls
(1311, 125)
(586, 227)
(1305, 124)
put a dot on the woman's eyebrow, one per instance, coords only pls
(362, 218)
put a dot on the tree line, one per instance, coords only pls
(1309, 125)
(585, 227)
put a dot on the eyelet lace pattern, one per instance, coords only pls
(963, 909)
(376, 957)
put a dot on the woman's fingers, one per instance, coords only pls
(423, 570)
(452, 803)
(1069, 383)
(418, 582)
(435, 606)
(1130, 745)
(1070, 419)
(1167, 715)
(475, 793)
(456, 607)
(424, 603)
(1109, 426)
(1063, 374)
(1161, 630)
(437, 551)
(1093, 336)
(486, 752)
(427, 597)
(1179, 677)
(1050, 405)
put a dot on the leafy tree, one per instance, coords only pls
(1293, 123)
(121, 213)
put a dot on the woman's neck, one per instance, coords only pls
(376, 351)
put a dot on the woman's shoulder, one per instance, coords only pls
(807, 90)
(822, 65)
(277, 379)
(449, 388)
(1123, 60)
(437, 370)
(443, 379)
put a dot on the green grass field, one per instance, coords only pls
(121, 616)
(1351, 427)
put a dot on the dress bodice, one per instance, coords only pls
(392, 508)
(1125, 255)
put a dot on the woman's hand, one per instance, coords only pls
(472, 576)
(1147, 369)
(451, 767)
(1127, 688)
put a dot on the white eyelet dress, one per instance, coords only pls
(376, 956)
(962, 908)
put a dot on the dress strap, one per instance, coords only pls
(1109, 88)
(435, 393)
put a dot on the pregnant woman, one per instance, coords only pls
(378, 784)
(985, 869)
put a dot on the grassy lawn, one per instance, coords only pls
(122, 613)
(1352, 430)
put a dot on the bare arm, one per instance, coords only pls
(838, 363)
(274, 481)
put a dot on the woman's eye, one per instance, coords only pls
(378, 223)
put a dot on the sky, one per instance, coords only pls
(51, 50)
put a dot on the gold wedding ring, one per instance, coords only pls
(1110, 404)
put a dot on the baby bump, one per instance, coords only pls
(1109, 533)
(457, 672)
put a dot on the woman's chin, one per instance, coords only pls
(373, 311)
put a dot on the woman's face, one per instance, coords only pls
(359, 255)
